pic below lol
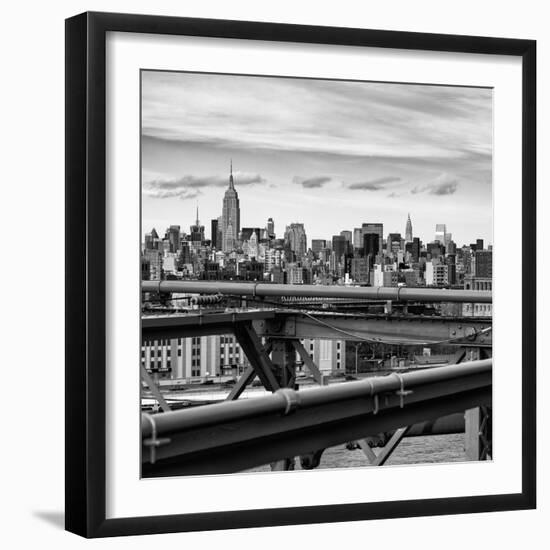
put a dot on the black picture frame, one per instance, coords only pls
(86, 280)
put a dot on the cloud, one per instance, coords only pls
(442, 186)
(316, 116)
(176, 192)
(188, 186)
(310, 183)
(375, 184)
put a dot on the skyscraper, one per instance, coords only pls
(152, 240)
(450, 247)
(270, 228)
(173, 234)
(416, 249)
(317, 245)
(338, 246)
(483, 264)
(231, 215)
(219, 236)
(408, 230)
(450, 260)
(214, 233)
(371, 247)
(393, 244)
(373, 228)
(358, 238)
(440, 232)
(197, 232)
(295, 239)
(347, 235)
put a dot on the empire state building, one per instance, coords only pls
(231, 216)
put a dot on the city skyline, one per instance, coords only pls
(440, 232)
(280, 231)
(404, 234)
(301, 149)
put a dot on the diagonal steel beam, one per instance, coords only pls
(367, 451)
(154, 389)
(308, 361)
(390, 446)
(459, 356)
(245, 379)
(253, 349)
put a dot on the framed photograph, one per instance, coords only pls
(295, 284)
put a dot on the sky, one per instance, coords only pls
(329, 154)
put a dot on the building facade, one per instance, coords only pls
(201, 357)
(471, 282)
(437, 274)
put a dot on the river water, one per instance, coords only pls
(412, 450)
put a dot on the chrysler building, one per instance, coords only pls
(408, 230)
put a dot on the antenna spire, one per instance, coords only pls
(231, 183)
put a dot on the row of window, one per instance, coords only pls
(158, 353)
(480, 308)
(234, 351)
(157, 364)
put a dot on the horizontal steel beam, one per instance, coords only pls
(320, 291)
(194, 456)
(156, 327)
(450, 424)
(283, 324)
(278, 402)
(232, 436)
(412, 330)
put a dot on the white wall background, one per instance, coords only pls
(32, 310)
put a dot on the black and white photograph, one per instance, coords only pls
(275, 274)
(316, 261)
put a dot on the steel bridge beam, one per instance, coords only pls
(257, 448)
(234, 436)
(241, 383)
(450, 424)
(308, 361)
(256, 354)
(296, 325)
(384, 329)
(157, 327)
(319, 291)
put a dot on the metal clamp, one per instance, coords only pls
(401, 392)
(374, 397)
(292, 399)
(153, 442)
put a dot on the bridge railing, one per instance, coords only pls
(235, 435)
(319, 291)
